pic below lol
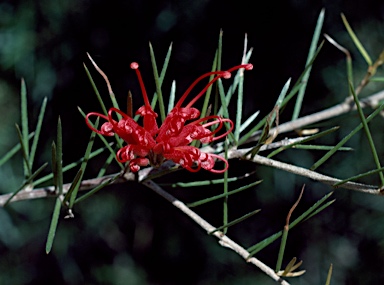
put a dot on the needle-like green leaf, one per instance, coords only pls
(329, 276)
(210, 199)
(27, 182)
(96, 90)
(312, 50)
(12, 152)
(59, 157)
(24, 129)
(158, 84)
(309, 213)
(288, 97)
(356, 41)
(312, 137)
(209, 90)
(83, 166)
(367, 133)
(345, 139)
(69, 166)
(53, 226)
(249, 121)
(172, 96)
(75, 182)
(234, 222)
(359, 176)
(320, 147)
(225, 188)
(24, 150)
(199, 183)
(37, 131)
(97, 188)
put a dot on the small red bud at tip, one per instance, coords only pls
(227, 75)
(249, 66)
(134, 65)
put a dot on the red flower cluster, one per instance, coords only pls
(149, 144)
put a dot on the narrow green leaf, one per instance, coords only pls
(361, 175)
(216, 106)
(97, 188)
(26, 183)
(68, 166)
(318, 210)
(24, 149)
(225, 188)
(198, 183)
(8, 155)
(158, 85)
(356, 41)
(236, 79)
(209, 90)
(345, 139)
(267, 241)
(367, 133)
(377, 79)
(96, 90)
(59, 157)
(225, 109)
(249, 121)
(283, 93)
(288, 97)
(213, 198)
(37, 131)
(273, 115)
(24, 128)
(321, 147)
(329, 276)
(75, 182)
(165, 65)
(83, 166)
(54, 165)
(312, 50)
(53, 226)
(234, 222)
(311, 210)
(161, 78)
(107, 163)
(172, 96)
(281, 250)
(239, 109)
(223, 98)
(309, 138)
(220, 50)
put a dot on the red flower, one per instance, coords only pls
(149, 144)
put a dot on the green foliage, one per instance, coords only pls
(137, 236)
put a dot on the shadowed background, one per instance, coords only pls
(126, 234)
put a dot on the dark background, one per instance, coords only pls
(126, 234)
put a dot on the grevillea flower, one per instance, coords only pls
(149, 144)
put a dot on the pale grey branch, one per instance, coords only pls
(337, 110)
(223, 239)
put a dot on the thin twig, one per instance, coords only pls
(346, 106)
(328, 180)
(145, 173)
(223, 239)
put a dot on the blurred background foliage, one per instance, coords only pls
(128, 235)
